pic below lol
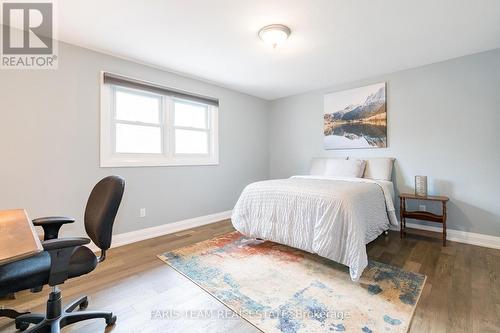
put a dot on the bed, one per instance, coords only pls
(332, 214)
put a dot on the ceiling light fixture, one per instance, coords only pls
(274, 34)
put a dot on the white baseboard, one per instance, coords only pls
(461, 236)
(164, 229)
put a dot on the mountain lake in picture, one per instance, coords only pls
(356, 118)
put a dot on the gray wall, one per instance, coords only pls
(49, 144)
(442, 122)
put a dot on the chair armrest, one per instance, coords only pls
(63, 243)
(60, 251)
(51, 225)
(41, 221)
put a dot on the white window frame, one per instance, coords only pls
(110, 158)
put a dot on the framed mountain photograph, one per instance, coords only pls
(356, 118)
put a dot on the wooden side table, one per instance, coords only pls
(18, 238)
(420, 215)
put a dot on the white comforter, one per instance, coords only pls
(331, 216)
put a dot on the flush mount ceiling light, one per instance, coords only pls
(274, 34)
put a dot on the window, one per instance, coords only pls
(192, 130)
(147, 125)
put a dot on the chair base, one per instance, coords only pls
(55, 319)
(11, 313)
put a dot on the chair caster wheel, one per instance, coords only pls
(84, 305)
(111, 320)
(22, 326)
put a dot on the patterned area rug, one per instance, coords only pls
(280, 289)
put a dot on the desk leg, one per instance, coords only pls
(401, 216)
(444, 223)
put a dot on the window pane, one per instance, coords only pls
(137, 107)
(138, 139)
(191, 142)
(190, 115)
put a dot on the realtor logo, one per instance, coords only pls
(28, 35)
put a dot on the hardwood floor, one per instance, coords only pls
(462, 293)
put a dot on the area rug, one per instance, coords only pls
(280, 289)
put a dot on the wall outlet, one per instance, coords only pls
(142, 212)
(422, 208)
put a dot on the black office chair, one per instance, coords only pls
(66, 258)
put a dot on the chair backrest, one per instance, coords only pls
(102, 206)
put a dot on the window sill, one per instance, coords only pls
(125, 162)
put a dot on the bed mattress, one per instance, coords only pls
(331, 216)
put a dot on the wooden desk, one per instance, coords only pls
(18, 238)
(419, 215)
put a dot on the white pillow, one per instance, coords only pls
(379, 168)
(345, 168)
(318, 165)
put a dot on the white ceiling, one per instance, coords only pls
(332, 41)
